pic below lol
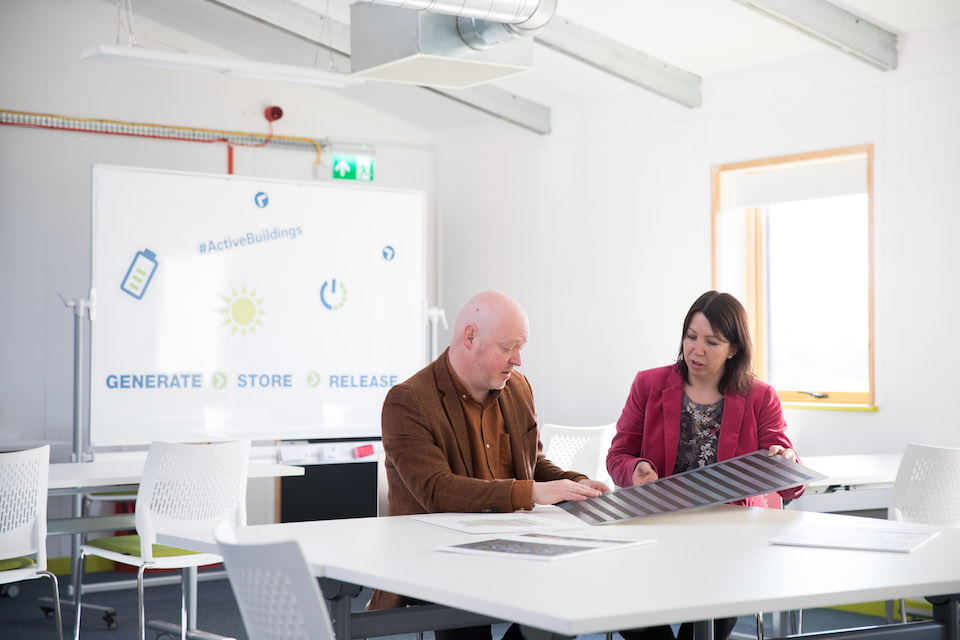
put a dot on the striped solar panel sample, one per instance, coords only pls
(751, 474)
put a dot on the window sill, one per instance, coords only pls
(827, 406)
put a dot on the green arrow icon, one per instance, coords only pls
(313, 379)
(219, 380)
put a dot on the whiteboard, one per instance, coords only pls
(233, 307)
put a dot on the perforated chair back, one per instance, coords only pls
(24, 477)
(582, 449)
(927, 487)
(23, 508)
(190, 487)
(277, 594)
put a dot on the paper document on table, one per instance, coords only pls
(543, 546)
(866, 539)
(745, 476)
(485, 523)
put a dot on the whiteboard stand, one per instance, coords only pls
(81, 308)
(436, 315)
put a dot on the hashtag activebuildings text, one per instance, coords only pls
(250, 238)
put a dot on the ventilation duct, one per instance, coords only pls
(450, 44)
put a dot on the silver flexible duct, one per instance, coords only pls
(485, 23)
(509, 11)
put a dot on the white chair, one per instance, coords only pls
(184, 487)
(23, 520)
(278, 596)
(925, 491)
(582, 449)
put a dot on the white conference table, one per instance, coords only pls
(708, 563)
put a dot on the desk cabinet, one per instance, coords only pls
(330, 491)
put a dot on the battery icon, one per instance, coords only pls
(139, 274)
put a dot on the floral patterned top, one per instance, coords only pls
(699, 432)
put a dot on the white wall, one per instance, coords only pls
(602, 229)
(45, 178)
(45, 175)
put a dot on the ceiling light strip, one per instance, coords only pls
(177, 61)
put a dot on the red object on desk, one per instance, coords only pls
(363, 451)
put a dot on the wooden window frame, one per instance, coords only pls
(755, 304)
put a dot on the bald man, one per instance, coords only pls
(461, 435)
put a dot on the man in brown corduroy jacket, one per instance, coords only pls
(461, 435)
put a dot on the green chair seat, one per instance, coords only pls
(15, 563)
(130, 546)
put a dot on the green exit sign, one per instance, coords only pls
(353, 167)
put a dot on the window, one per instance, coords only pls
(792, 240)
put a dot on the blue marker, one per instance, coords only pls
(139, 274)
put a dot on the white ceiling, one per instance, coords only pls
(701, 36)
(705, 36)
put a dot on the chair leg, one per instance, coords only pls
(903, 610)
(759, 625)
(56, 602)
(183, 604)
(142, 618)
(77, 584)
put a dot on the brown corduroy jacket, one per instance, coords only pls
(428, 461)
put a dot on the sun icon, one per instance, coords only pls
(243, 311)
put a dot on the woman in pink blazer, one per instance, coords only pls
(706, 407)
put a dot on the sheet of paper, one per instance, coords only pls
(543, 546)
(486, 523)
(751, 474)
(867, 539)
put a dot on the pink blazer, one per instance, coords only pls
(649, 427)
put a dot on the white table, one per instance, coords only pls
(858, 471)
(70, 477)
(674, 580)
(857, 483)
(67, 478)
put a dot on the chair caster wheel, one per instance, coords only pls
(47, 612)
(110, 622)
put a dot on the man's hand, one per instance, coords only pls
(559, 490)
(594, 484)
(777, 450)
(644, 473)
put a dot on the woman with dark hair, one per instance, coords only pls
(706, 407)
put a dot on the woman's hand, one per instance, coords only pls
(644, 473)
(777, 450)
